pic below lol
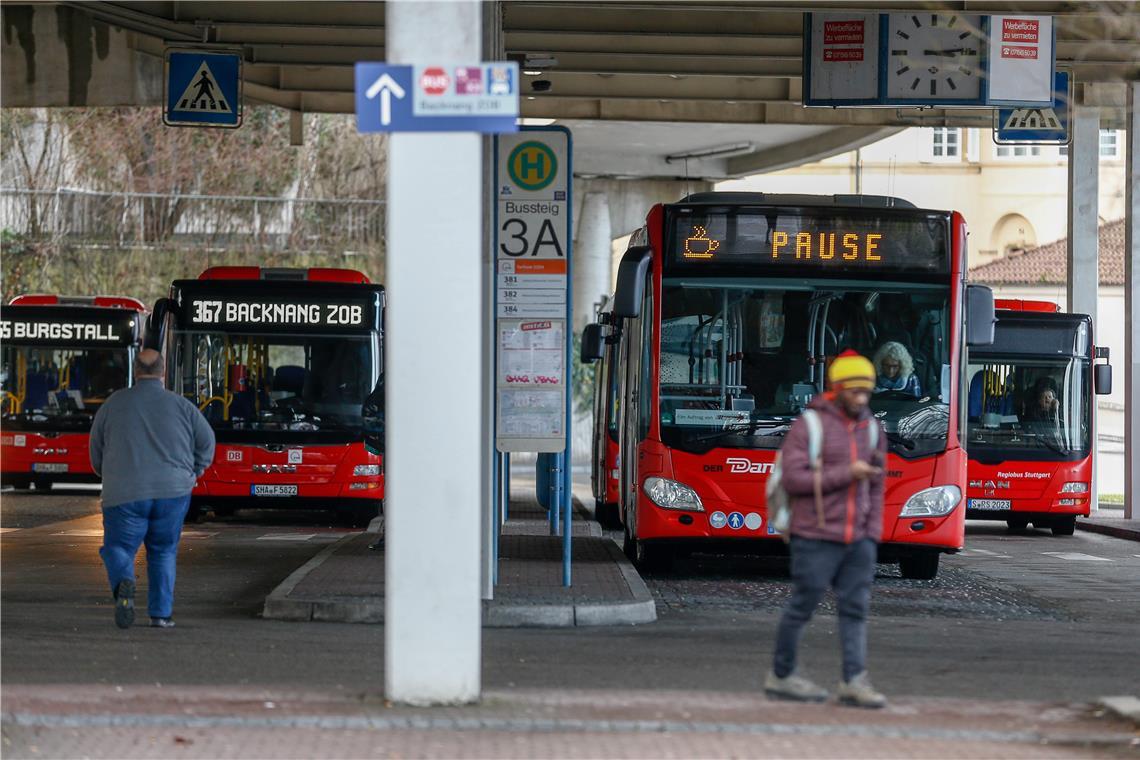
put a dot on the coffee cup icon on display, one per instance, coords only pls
(699, 245)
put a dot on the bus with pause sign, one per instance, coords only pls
(731, 306)
(1031, 417)
(283, 363)
(63, 356)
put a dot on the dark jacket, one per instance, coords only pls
(852, 510)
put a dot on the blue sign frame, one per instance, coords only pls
(221, 107)
(390, 106)
(1062, 101)
(881, 99)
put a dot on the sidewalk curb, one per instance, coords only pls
(496, 613)
(641, 610)
(1126, 707)
(1128, 534)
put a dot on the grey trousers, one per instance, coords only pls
(816, 565)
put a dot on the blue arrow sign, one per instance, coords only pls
(476, 97)
(1037, 125)
(203, 89)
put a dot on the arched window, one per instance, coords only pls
(1012, 231)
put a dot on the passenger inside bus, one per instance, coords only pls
(895, 369)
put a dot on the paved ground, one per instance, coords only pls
(1016, 617)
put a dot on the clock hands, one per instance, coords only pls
(951, 52)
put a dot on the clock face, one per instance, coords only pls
(935, 57)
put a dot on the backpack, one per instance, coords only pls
(779, 504)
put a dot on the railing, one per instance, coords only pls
(210, 221)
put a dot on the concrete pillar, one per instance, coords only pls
(592, 257)
(1083, 260)
(1131, 358)
(435, 309)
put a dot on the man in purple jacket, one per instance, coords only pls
(836, 525)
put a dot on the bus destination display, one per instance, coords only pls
(844, 241)
(220, 312)
(56, 326)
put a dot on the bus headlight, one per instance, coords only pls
(366, 470)
(932, 502)
(1075, 487)
(670, 494)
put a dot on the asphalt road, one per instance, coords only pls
(1017, 616)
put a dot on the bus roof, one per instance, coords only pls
(792, 199)
(312, 274)
(50, 299)
(1021, 304)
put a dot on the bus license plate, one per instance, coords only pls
(49, 467)
(273, 490)
(994, 504)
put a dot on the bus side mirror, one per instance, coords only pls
(372, 418)
(1102, 379)
(980, 317)
(593, 343)
(631, 282)
(155, 334)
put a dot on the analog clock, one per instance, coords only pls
(934, 57)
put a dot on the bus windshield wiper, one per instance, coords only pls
(897, 439)
(774, 429)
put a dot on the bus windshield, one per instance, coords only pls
(276, 388)
(59, 389)
(1021, 404)
(740, 358)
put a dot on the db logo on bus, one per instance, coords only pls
(747, 465)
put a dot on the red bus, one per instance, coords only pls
(1031, 415)
(729, 314)
(282, 363)
(604, 460)
(62, 357)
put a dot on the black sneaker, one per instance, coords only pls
(125, 604)
(161, 622)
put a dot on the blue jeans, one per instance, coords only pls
(849, 569)
(158, 523)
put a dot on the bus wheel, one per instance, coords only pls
(42, 484)
(22, 484)
(193, 514)
(223, 511)
(606, 514)
(1064, 526)
(920, 566)
(1017, 524)
(360, 516)
(649, 557)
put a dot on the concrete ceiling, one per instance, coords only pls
(625, 74)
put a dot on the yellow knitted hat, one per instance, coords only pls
(851, 370)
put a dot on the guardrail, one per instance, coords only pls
(210, 221)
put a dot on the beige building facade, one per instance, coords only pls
(1011, 197)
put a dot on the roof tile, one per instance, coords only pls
(1047, 264)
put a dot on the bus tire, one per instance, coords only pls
(606, 515)
(1017, 524)
(920, 566)
(193, 513)
(650, 557)
(21, 484)
(223, 511)
(1064, 526)
(42, 484)
(360, 516)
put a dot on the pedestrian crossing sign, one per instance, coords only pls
(203, 88)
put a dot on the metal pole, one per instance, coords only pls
(1083, 236)
(1132, 308)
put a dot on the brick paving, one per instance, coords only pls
(91, 721)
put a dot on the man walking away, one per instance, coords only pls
(836, 523)
(150, 446)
